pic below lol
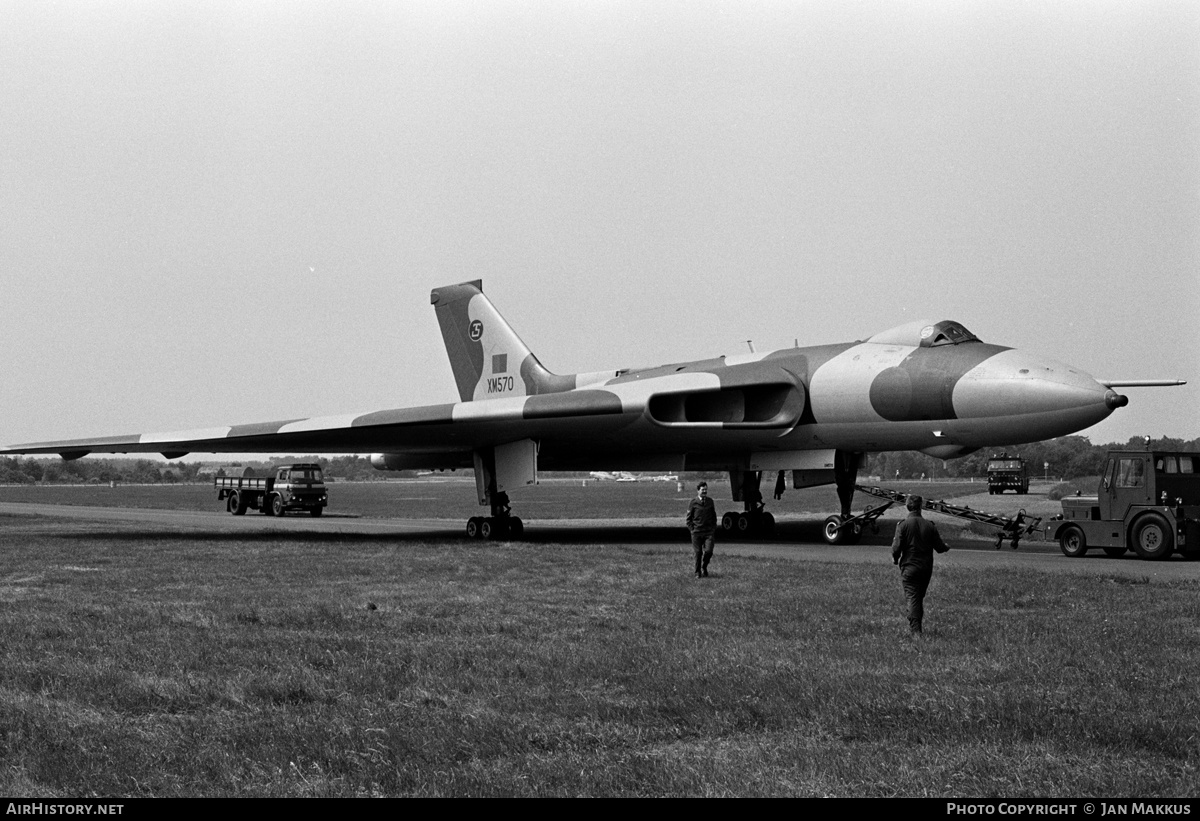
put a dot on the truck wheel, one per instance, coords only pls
(236, 506)
(276, 505)
(1152, 537)
(1115, 551)
(316, 511)
(1072, 542)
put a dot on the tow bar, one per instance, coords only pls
(848, 531)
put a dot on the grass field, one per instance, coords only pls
(166, 663)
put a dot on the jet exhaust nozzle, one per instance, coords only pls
(1114, 400)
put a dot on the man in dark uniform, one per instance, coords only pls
(702, 524)
(912, 549)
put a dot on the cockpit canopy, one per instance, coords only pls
(926, 334)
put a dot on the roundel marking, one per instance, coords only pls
(475, 331)
(927, 332)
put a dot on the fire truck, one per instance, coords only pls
(1006, 472)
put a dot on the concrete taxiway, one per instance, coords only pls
(795, 541)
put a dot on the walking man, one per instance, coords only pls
(702, 524)
(912, 549)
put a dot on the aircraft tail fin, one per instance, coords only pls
(489, 360)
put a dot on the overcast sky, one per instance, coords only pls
(227, 212)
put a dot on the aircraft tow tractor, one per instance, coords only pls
(848, 531)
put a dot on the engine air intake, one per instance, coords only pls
(752, 406)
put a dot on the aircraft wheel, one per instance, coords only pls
(1115, 551)
(744, 524)
(1072, 542)
(729, 522)
(473, 527)
(316, 511)
(831, 531)
(766, 525)
(516, 528)
(1152, 537)
(488, 529)
(277, 505)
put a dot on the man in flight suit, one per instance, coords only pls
(702, 524)
(912, 549)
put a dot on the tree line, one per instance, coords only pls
(1065, 458)
(1068, 457)
(28, 470)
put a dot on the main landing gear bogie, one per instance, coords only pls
(748, 523)
(492, 528)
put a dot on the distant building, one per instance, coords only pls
(208, 471)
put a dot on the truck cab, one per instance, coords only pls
(1147, 500)
(298, 487)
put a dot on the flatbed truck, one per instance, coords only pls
(289, 487)
(1147, 501)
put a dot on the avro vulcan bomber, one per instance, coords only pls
(808, 414)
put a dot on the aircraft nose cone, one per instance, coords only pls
(1045, 398)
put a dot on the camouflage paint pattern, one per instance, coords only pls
(922, 386)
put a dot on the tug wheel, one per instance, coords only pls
(1152, 537)
(1072, 542)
